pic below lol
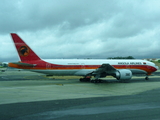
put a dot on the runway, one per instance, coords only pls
(25, 95)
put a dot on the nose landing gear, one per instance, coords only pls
(146, 78)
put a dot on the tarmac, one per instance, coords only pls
(65, 97)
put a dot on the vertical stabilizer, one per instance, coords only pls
(24, 51)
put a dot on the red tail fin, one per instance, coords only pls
(24, 51)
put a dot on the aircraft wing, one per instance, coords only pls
(104, 70)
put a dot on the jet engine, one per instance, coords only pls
(124, 75)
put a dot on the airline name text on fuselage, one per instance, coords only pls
(129, 63)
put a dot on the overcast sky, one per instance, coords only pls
(81, 28)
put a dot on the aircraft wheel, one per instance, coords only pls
(146, 78)
(93, 81)
(84, 79)
(96, 81)
(81, 79)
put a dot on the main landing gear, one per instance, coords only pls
(88, 79)
(97, 81)
(85, 79)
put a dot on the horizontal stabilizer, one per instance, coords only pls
(24, 64)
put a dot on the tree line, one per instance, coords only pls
(128, 57)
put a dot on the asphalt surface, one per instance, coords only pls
(137, 100)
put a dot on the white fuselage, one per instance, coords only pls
(89, 65)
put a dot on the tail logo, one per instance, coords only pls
(23, 51)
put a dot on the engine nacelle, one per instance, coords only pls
(124, 75)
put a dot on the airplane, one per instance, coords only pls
(122, 70)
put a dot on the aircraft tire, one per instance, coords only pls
(146, 78)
